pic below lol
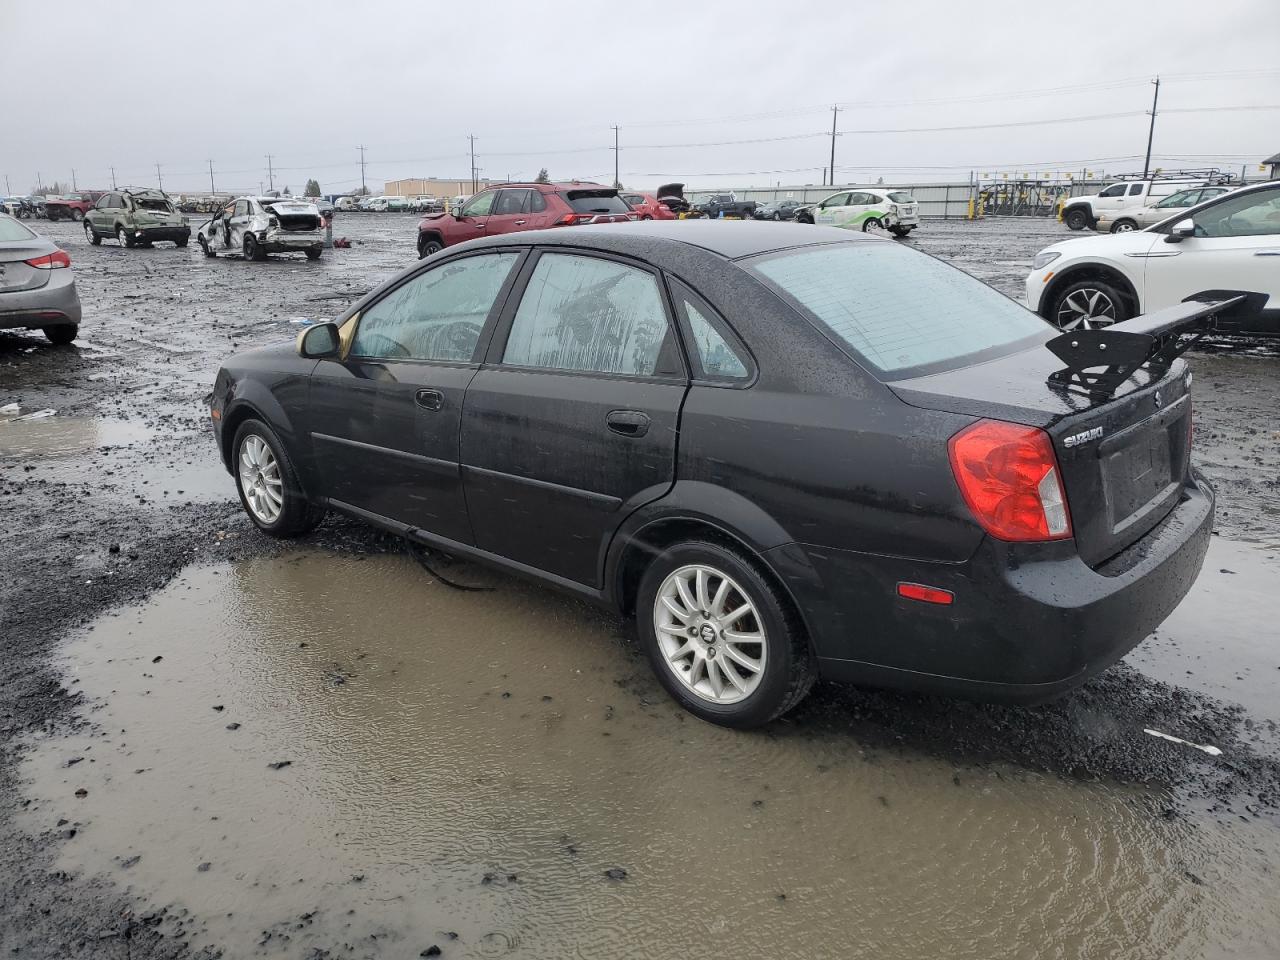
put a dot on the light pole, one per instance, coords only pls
(1151, 131)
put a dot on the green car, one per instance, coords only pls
(136, 217)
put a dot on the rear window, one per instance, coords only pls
(11, 229)
(901, 312)
(897, 196)
(595, 201)
(148, 203)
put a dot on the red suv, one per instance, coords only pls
(512, 207)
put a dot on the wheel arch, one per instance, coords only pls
(429, 234)
(1090, 271)
(260, 405)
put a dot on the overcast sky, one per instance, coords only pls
(541, 84)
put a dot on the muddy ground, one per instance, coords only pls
(530, 791)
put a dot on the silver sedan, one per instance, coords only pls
(37, 286)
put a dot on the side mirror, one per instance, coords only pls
(319, 342)
(1181, 231)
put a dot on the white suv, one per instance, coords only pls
(1228, 243)
(1118, 198)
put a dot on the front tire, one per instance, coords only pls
(1088, 305)
(91, 234)
(1076, 219)
(268, 484)
(208, 250)
(62, 334)
(428, 246)
(721, 637)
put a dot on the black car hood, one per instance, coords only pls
(1011, 388)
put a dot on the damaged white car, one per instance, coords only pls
(257, 226)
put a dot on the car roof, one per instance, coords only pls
(731, 239)
(552, 187)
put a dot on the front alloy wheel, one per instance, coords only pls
(260, 480)
(710, 634)
(1087, 308)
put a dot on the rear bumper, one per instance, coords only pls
(284, 241)
(152, 234)
(1029, 621)
(55, 304)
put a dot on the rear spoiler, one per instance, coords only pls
(1099, 360)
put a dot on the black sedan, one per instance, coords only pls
(778, 210)
(788, 452)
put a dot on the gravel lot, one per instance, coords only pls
(120, 515)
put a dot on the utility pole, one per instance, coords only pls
(832, 179)
(271, 174)
(74, 188)
(159, 179)
(212, 188)
(7, 189)
(617, 184)
(364, 189)
(113, 178)
(474, 186)
(1151, 131)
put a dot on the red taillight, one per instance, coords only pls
(570, 219)
(918, 591)
(1009, 477)
(51, 261)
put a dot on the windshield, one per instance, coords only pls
(900, 312)
(595, 201)
(11, 229)
(897, 196)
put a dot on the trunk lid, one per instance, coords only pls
(15, 274)
(1124, 459)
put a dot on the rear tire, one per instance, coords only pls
(77, 214)
(182, 241)
(1124, 226)
(123, 238)
(872, 225)
(268, 484)
(1076, 219)
(900, 231)
(252, 248)
(777, 216)
(313, 254)
(698, 665)
(62, 334)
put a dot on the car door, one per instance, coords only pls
(571, 423)
(101, 215)
(233, 235)
(833, 211)
(473, 218)
(1236, 247)
(383, 420)
(1110, 199)
(510, 212)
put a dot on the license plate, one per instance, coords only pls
(1138, 474)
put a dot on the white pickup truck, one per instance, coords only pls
(1115, 198)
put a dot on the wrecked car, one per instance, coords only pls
(257, 226)
(964, 504)
(136, 218)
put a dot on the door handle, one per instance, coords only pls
(628, 423)
(1266, 253)
(429, 399)
(519, 223)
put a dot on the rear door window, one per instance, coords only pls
(716, 353)
(511, 202)
(595, 201)
(438, 315)
(591, 314)
(900, 312)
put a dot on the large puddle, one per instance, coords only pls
(497, 774)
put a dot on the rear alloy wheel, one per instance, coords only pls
(268, 485)
(777, 216)
(1088, 305)
(721, 638)
(873, 225)
(1124, 226)
(91, 234)
(123, 238)
(62, 334)
(252, 248)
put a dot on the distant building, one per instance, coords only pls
(1274, 164)
(429, 187)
